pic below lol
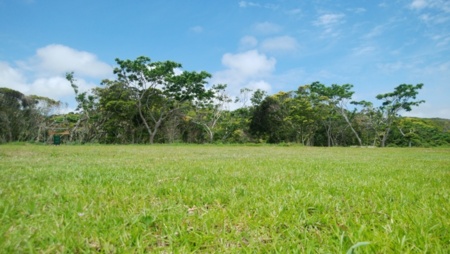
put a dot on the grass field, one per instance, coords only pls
(223, 199)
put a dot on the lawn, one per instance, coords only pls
(223, 199)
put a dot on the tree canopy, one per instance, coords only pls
(159, 102)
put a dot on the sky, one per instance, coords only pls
(274, 45)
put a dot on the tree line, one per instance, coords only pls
(156, 102)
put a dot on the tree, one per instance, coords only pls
(40, 117)
(337, 97)
(271, 118)
(303, 116)
(160, 92)
(402, 98)
(24, 117)
(208, 112)
(368, 119)
(12, 103)
(87, 126)
(117, 108)
(325, 110)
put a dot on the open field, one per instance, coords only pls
(224, 199)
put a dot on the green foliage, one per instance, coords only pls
(392, 103)
(24, 117)
(269, 118)
(157, 102)
(418, 132)
(158, 93)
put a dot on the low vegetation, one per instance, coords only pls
(223, 199)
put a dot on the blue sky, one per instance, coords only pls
(275, 45)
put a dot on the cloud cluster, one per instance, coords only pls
(253, 68)
(267, 28)
(55, 59)
(246, 4)
(44, 73)
(196, 29)
(328, 22)
(248, 69)
(432, 12)
(280, 44)
(442, 5)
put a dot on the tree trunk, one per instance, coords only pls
(385, 136)
(153, 134)
(149, 130)
(351, 127)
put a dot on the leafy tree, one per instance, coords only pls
(11, 104)
(208, 112)
(325, 111)
(402, 98)
(303, 116)
(40, 117)
(270, 119)
(337, 97)
(411, 131)
(24, 117)
(258, 97)
(159, 91)
(118, 109)
(368, 119)
(87, 127)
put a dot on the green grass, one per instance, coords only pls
(223, 199)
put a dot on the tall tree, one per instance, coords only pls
(271, 118)
(402, 98)
(158, 90)
(208, 112)
(11, 104)
(325, 110)
(369, 120)
(118, 109)
(304, 116)
(24, 117)
(337, 97)
(87, 126)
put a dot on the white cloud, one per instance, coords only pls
(394, 66)
(196, 29)
(259, 84)
(294, 11)
(358, 10)
(12, 78)
(441, 5)
(329, 19)
(245, 4)
(434, 19)
(57, 87)
(376, 31)
(58, 59)
(248, 42)
(249, 69)
(419, 4)
(442, 40)
(280, 44)
(44, 73)
(363, 50)
(383, 5)
(267, 28)
(249, 64)
(329, 23)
